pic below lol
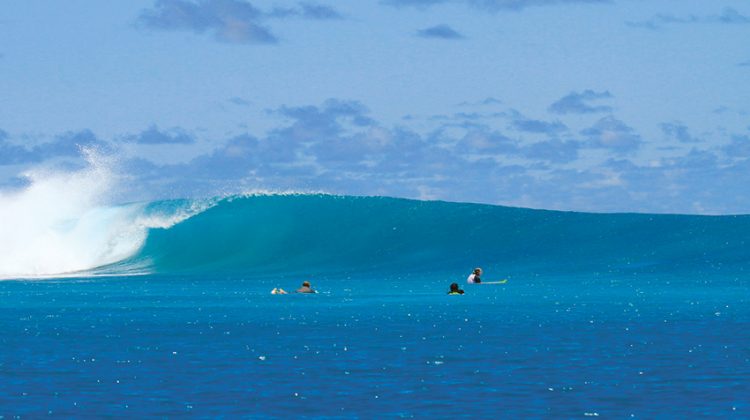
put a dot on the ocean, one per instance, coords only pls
(163, 309)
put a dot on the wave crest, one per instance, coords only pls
(62, 223)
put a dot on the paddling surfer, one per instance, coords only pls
(306, 288)
(454, 290)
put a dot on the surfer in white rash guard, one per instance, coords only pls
(475, 276)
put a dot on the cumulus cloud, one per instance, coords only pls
(230, 21)
(489, 5)
(413, 3)
(153, 135)
(576, 103)
(69, 144)
(309, 11)
(553, 150)
(486, 101)
(236, 100)
(11, 154)
(498, 5)
(442, 31)
(678, 131)
(728, 16)
(739, 147)
(528, 125)
(480, 141)
(466, 119)
(613, 134)
(65, 145)
(326, 119)
(686, 184)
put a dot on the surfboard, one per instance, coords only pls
(503, 281)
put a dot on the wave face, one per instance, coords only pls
(326, 235)
(333, 235)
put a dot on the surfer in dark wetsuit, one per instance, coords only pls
(475, 276)
(455, 290)
(306, 288)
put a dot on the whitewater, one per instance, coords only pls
(64, 223)
(162, 308)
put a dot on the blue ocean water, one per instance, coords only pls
(618, 315)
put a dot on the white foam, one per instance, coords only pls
(261, 192)
(64, 223)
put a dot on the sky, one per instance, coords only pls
(582, 105)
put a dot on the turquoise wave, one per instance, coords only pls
(325, 234)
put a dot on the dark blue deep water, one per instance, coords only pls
(613, 316)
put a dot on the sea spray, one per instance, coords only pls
(65, 222)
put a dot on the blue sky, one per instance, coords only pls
(594, 105)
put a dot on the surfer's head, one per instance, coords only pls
(306, 283)
(454, 287)
(477, 271)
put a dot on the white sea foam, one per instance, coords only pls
(63, 222)
(261, 192)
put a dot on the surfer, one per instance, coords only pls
(475, 276)
(455, 290)
(306, 288)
